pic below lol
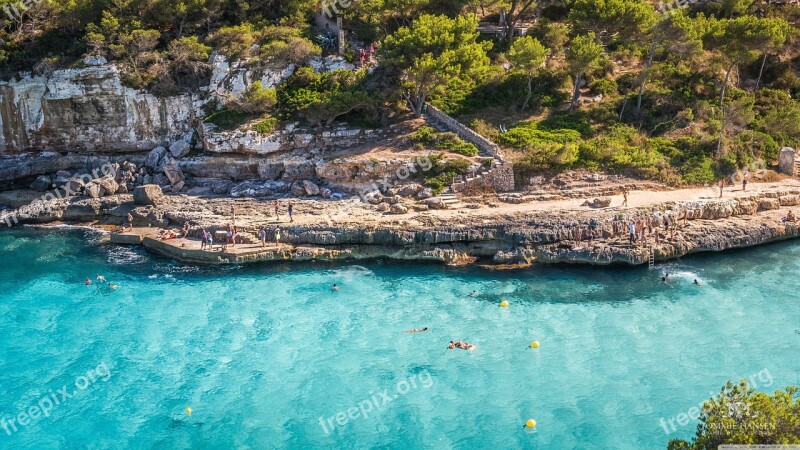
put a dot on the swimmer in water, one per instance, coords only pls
(416, 330)
(697, 283)
(101, 278)
(113, 286)
(473, 294)
(335, 287)
(87, 282)
(664, 278)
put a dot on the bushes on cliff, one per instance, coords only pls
(429, 137)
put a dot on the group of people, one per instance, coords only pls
(637, 228)
(365, 55)
(100, 279)
(263, 233)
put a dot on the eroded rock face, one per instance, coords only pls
(81, 110)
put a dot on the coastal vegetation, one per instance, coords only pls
(740, 415)
(681, 95)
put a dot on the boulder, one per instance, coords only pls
(424, 193)
(310, 188)
(108, 184)
(160, 179)
(174, 173)
(122, 189)
(94, 190)
(61, 178)
(177, 187)
(41, 184)
(154, 157)
(250, 189)
(373, 197)
(397, 208)
(436, 203)
(94, 60)
(600, 202)
(382, 207)
(407, 190)
(179, 149)
(392, 200)
(298, 189)
(766, 204)
(786, 161)
(148, 194)
(325, 193)
(75, 185)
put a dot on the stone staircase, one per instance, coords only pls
(451, 200)
(797, 167)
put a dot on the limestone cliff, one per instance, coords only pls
(88, 110)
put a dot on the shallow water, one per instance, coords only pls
(267, 356)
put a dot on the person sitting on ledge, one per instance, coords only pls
(790, 217)
(185, 229)
(128, 224)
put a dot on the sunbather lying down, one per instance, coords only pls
(168, 234)
(461, 345)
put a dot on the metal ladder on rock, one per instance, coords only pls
(651, 260)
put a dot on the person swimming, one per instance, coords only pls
(87, 282)
(461, 345)
(417, 330)
(101, 278)
(696, 282)
(113, 286)
(664, 278)
(335, 288)
(473, 293)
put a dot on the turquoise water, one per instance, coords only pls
(267, 356)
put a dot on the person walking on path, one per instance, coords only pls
(277, 206)
(721, 186)
(625, 197)
(290, 208)
(744, 182)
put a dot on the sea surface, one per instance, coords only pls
(269, 356)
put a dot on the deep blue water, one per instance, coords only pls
(267, 356)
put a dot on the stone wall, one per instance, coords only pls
(502, 177)
(786, 160)
(437, 117)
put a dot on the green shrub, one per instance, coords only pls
(266, 126)
(605, 86)
(698, 170)
(228, 119)
(444, 141)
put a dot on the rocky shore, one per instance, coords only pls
(495, 232)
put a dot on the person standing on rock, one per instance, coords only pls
(290, 208)
(262, 236)
(744, 182)
(277, 236)
(129, 225)
(233, 215)
(721, 185)
(277, 206)
(625, 197)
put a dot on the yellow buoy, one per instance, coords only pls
(535, 344)
(189, 411)
(530, 423)
(503, 304)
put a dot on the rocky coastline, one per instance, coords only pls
(498, 233)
